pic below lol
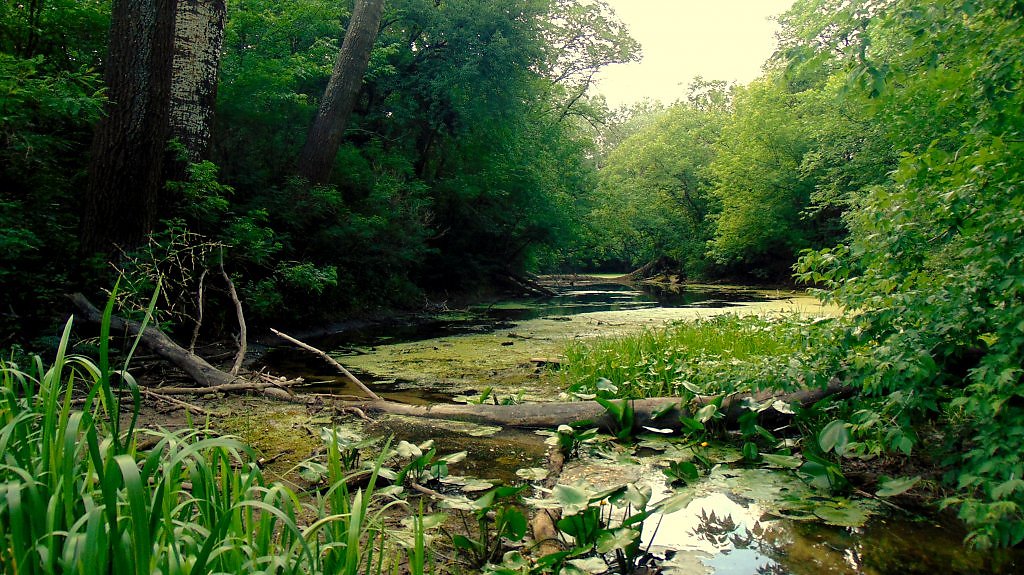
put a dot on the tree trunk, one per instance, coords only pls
(317, 157)
(198, 38)
(126, 168)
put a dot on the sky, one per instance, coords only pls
(681, 39)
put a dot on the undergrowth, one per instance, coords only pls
(77, 494)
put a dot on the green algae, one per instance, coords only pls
(502, 359)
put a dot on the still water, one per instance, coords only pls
(731, 527)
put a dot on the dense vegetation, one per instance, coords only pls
(880, 152)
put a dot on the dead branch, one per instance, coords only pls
(348, 375)
(240, 357)
(199, 312)
(174, 401)
(196, 367)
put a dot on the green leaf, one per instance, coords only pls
(750, 452)
(572, 499)
(707, 412)
(675, 502)
(896, 486)
(834, 437)
(614, 539)
(781, 461)
(533, 473)
(841, 515)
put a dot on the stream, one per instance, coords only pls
(739, 521)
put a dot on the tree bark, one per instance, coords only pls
(198, 39)
(316, 161)
(126, 167)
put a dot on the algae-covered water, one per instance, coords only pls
(492, 345)
(740, 521)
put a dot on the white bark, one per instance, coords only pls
(198, 39)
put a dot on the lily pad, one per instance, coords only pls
(842, 515)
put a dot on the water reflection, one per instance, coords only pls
(722, 534)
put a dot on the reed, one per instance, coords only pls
(77, 496)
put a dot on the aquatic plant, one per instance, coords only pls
(77, 494)
(724, 353)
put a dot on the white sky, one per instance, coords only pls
(681, 39)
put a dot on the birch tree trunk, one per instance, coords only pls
(198, 38)
(126, 166)
(316, 160)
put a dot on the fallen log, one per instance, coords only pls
(658, 412)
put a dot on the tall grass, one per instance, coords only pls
(719, 354)
(77, 496)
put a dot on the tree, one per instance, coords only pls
(198, 37)
(933, 269)
(126, 169)
(316, 161)
(655, 190)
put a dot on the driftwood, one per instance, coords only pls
(348, 375)
(658, 412)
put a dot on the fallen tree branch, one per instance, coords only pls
(211, 379)
(244, 385)
(174, 401)
(346, 373)
(196, 367)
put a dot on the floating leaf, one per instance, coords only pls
(453, 457)
(473, 485)
(485, 431)
(663, 431)
(842, 516)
